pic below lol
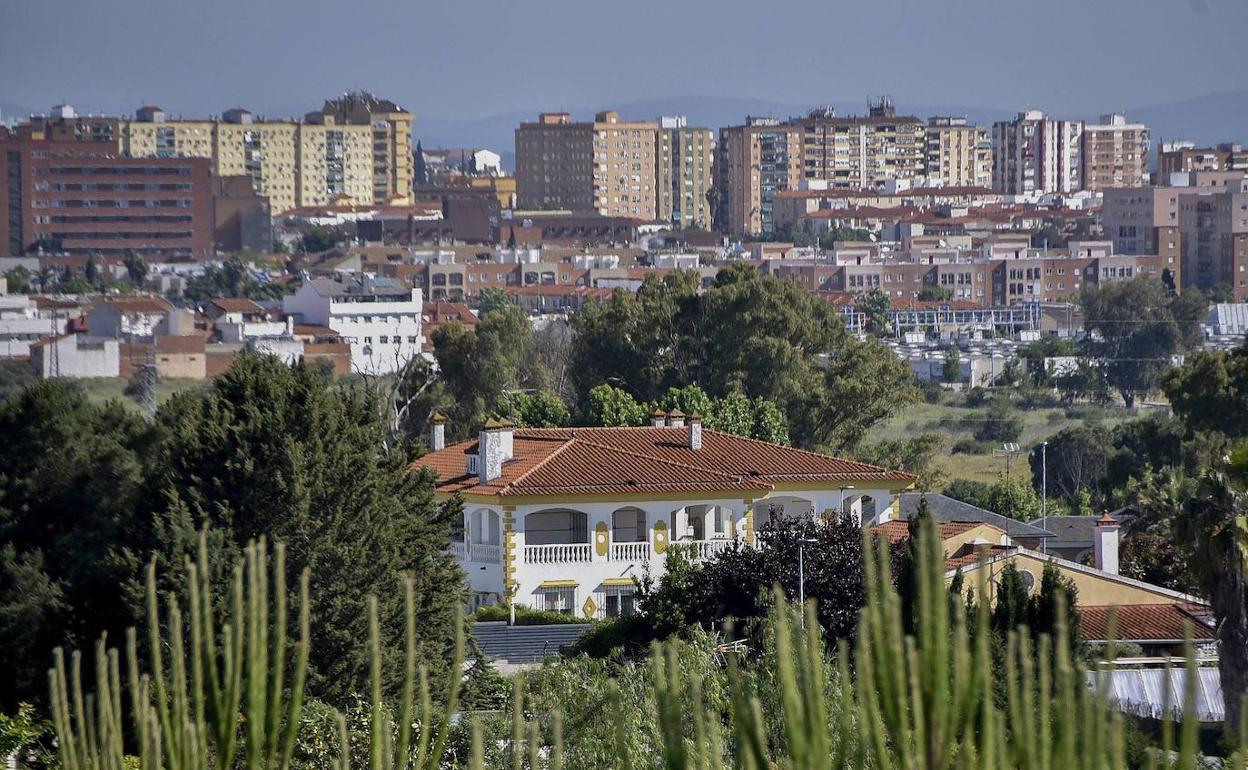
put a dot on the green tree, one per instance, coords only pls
(281, 451)
(951, 369)
(491, 298)
(609, 406)
(1220, 293)
(136, 269)
(1210, 391)
(1000, 423)
(233, 279)
(71, 541)
(1137, 328)
(874, 305)
(539, 410)
(1077, 461)
(752, 333)
(420, 174)
(18, 280)
(317, 239)
(931, 293)
(1215, 525)
(913, 455)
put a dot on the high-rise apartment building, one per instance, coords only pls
(685, 176)
(1213, 222)
(393, 161)
(607, 166)
(78, 197)
(1115, 153)
(753, 163)
(959, 153)
(1035, 154)
(357, 149)
(862, 151)
(1182, 157)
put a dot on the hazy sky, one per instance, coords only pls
(469, 58)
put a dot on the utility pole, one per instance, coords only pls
(1044, 493)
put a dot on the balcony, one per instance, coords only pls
(484, 553)
(632, 552)
(705, 549)
(560, 553)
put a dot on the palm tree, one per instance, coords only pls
(1216, 528)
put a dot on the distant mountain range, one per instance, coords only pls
(1221, 117)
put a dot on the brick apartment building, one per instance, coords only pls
(753, 163)
(606, 166)
(1115, 154)
(78, 198)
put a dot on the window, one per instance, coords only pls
(559, 600)
(619, 601)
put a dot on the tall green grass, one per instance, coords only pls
(229, 696)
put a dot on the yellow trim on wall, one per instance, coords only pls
(617, 582)
(558, 584)
(510, 584)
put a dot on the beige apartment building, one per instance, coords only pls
(1115, 153)
(685, 173)
(608, 166)
(753, 163)
(959, 153)
(1034, 155)
(856, 152)
(1182, 157)
(391, 125)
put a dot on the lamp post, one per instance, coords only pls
(1044, 494)
(801, 576)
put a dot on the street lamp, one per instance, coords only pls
(801, 576)
(1044, 494)
(849, 486)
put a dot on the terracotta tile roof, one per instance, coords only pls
(230, 305)
(900, 530)
(974, 556)
(1144, 623)
(139, 304)
(555, 461)
(176, 344)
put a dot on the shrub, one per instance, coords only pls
(525, 616)
(970, 446)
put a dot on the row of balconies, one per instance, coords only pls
(583, 553)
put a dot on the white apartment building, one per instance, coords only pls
(76, 356)
(378, 317)
(563, 519)
(1037, 155)
(22, 324)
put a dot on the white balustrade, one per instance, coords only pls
(630, 551)
(459, 551)
(705, 549)
(561, 553)
(485, 553)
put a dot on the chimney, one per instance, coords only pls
(658, 418)
(695, 431)
(1105, 541)
(437, 432)
(494, 448)
(676, 419)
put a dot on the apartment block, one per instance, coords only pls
(391, 126)
(83, 198)
(608, 165)
(1035, 155)
(1214, 236)
(1115, 154)
(1144, 220)
(1183, 157)
(685, 173)
(862, 151)
(753, 163)
(958, 153)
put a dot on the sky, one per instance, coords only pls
(472, 58)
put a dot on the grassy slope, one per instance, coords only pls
(945, 418)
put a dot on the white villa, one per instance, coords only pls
(378, 317)
(564, 518)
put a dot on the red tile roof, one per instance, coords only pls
(580, 461)
(900, 530)
(974, 556)
(139, 304)
(230, 305)
(1144, 623)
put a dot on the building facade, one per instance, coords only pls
(1213, 228)
(1035, 155)
(685, 173)
(1115, 154)
(83, 198)
(380, 318)
(391, 140)
(857, 152)
(556, 519)
(753, 163)
(958, 153)
(607, 166)
(1183, 157)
